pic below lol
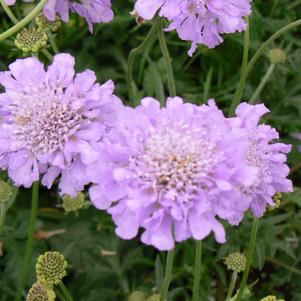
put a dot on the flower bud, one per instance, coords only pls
(51, 268)
(6, 191)
(277, 199)
(40, 292)
(71, 204)
(236, 262)
(137, 296)
(44, 24)
(31, 39)
(277, 56)
(155, 297)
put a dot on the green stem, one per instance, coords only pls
(24, 21)
(65, 291)
(243, 75)
(268, 42)
(52, 42)
(131, 60)
(169, 68)
(8, 11)
(294, 4)
(249, 259)
(232, 286)
(29, 245)
(47, 54)
(262, 84)
(197, 271)
(2, 215)
(168, 274)
(284, 265)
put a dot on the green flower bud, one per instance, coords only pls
(155, 297)
(31, 39)
(45, 24)
(137, 296)
(271, 298)
(6, 191)
(277, 56)
(236, 262)
(40, 292)
(71, 204)
(51, 268)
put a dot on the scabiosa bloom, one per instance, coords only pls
(199, 21)
(269, 158)
(165, 169)
(51, 121)
(95, 11)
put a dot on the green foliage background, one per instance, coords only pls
(99, 275)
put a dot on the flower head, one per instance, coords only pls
(155, 297)
(171, 171)
(40, 292)
(44, 24)
(52, 121)
(267, 157)
(199, 21)
(71, 204)
(137, 296)
(51, 268)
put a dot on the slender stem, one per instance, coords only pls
(2, 215)
(52, 42)
(294, 4)
(232, 286)
(131, 60)
(24, 21)
(65, 291)
(268, 42)
(243, 75)
(8, 11)
(29, 245)
(284, 265)
(47, 54)
(169, 68)
(262, 84)
(168, 274)
(249, 259)
(197, 271)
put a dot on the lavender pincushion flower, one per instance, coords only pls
(95, 11)
(199, 21)
(269, 158)
(51, 122)
(165, 169)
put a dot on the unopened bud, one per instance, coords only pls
(45, 24)
(235, 262)
(277, 199)
(51, 268)
(6, 191)
(277, 56)
(40, 292)
(71, 204)
(271, 298)
(137, 296)
(31, 39)
(155, 297)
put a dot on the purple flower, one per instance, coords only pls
(172, 171)
(95, 11)
(52, 122)
(199, 21)
(269, 158)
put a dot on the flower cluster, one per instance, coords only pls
(51, 122)
(95, 11)
(199, 21)
(176, 171)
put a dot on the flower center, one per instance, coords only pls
(173, 160)
(43, 120)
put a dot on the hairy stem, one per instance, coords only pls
(168, 275)
(29, 245)
(2, 215)
(8, 11)
(250, 254)
(23, 22)
(262, 84)
(65, 291)
(243, 75)
(168, 63)
(197, 271)
(232, 286)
